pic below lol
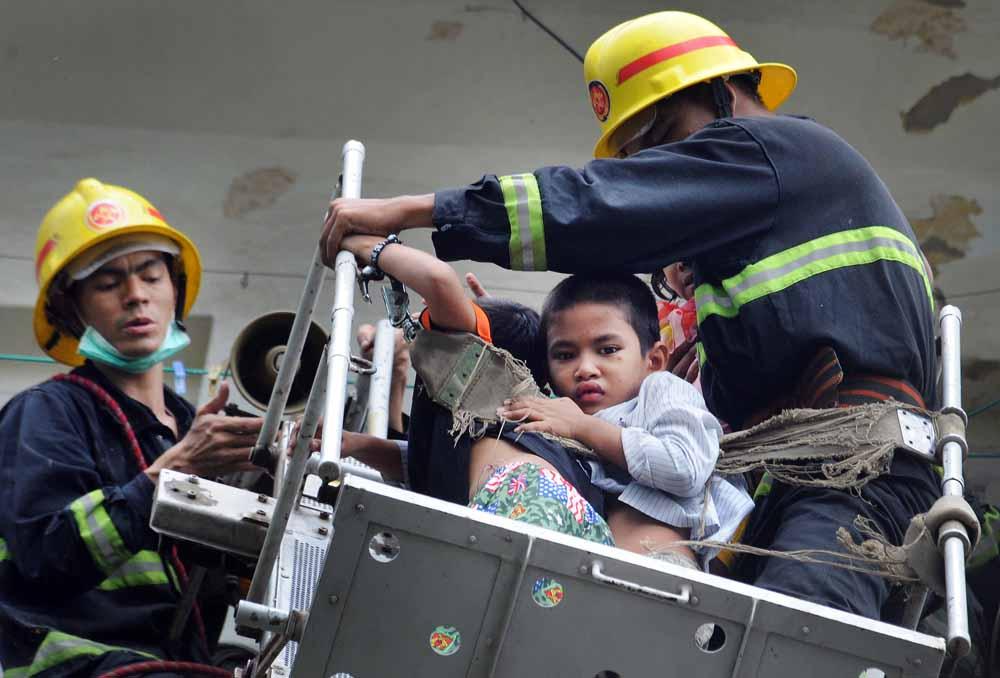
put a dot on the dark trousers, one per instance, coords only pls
(791, 518)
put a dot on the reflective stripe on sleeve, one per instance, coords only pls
(145, 568)
(58, 648)
(780, 271)
(523, 202)
(99, 532)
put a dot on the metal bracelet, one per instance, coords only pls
(393, 239)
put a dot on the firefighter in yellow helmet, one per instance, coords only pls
(809, 284)
(84, 583)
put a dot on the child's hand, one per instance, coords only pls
(561, 416)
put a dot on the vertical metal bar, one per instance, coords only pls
(509, 614)
(285, 502)
(339, 352)
(914, 608)
(953, 484)
(747, 630)
(380, 386)
(262, 451)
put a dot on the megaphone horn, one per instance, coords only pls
(258, 353)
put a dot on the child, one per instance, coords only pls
(440, 465)
(656, 440)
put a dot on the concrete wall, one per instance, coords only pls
(230, 116)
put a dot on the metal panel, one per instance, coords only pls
(403, 566)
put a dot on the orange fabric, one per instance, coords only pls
(482, 323)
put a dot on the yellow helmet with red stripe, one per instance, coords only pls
(641, 61)
(81, 223)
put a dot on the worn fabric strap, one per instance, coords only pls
(840, 448)
(471, 379)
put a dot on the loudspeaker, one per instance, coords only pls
(257, 355)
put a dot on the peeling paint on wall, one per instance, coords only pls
(447, 31)
(945, 236)
(935, 107)
(931, 22)
(980, 369)
(255, 189)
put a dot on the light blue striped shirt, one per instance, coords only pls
(671, 444)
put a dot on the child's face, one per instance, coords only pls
(594, 356)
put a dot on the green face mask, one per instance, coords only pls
(99, 349)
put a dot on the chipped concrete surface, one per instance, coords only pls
(946, 234)
(445, 31)
(255, 189)
(981, 369)
(935, 107)
(930, 22)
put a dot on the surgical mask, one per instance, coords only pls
(97, 348)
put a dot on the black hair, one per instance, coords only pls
(620, 290)
(516, 328)
(713, 94)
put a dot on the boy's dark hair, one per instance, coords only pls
(620, 290)
(517, 328)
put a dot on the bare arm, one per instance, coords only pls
(431, 278)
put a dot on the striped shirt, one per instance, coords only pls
(671, 444)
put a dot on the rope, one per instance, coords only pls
(183, 668)
(112, 405)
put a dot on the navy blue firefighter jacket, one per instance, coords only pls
(80, 575)
(794, 240)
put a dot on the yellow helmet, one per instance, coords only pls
(79, 225)
(646, 59)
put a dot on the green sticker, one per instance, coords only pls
(446, 640)
(547, 592)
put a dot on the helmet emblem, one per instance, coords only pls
(600, 99)
(153, 212)
(104, 214)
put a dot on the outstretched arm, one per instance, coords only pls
(431, 278)
(661, 205)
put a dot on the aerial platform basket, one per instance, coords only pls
(413, 586)
(391, 583)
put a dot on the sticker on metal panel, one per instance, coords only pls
(547, 592)
(446, 640)
(104, 214)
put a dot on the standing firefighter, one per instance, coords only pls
(809, 285)
(83, 587)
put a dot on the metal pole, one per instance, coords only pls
(380, 387)
(339, 352)
(953, 484)
(285, 502)
(262, 453)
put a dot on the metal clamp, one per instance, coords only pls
(397, 306)
(367, 275)
(597, 572)
(361, 365)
